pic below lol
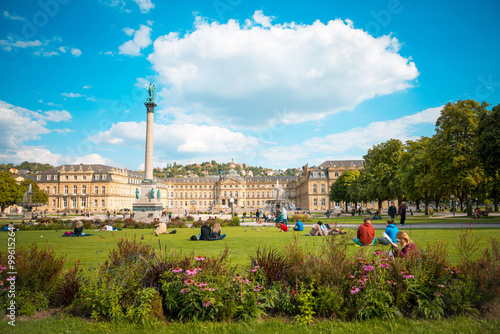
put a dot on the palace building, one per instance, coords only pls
(98, 187)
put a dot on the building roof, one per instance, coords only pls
(342, 163)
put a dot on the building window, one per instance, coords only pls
(75, 177)
(323, 202)
(47, 190)
(53, 202)
(336, 174)
(65, 190)
(103, 177)
(65, 202)
(75, 190)
(102, 203)
(84, 190)
(96, 190)
(54, 189)
(315, 189)
(49, 177)
(66, 177)
(96, 177)
(95, 203)
(84, 177)
(73, 202)
(38, 177)
(315, 202)
(322, 188)
(84, 202)
(55, 177)
(103, 190)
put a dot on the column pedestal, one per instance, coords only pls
(147, 207)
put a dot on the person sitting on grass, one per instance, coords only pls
(391, 230)
(216, 230)
(78, 231)
(298, 226)
(283, 227)
(405, 246)
(376, 215)
(366, 234)
(205, 233)
(317, 229)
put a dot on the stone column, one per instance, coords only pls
(148, 168)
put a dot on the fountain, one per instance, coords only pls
(279, 200)
(27, 204)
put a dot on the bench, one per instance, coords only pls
(485, 213)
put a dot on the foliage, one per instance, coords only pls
(305, 302)
(39, 196)
(339, 190)
(10, 193)
(488, 140)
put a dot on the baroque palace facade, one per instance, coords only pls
(98, 187)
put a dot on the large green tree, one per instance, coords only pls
(381, 168)
(340, 190)
(453, 151)
(10, 193)
(488, 140)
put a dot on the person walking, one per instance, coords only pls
(402, 213)
(392, 210)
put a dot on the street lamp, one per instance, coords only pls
(231, 200)
(453, 204)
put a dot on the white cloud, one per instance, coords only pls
(72, 95)
(184, 138)
(87, 87)
(260, 74)
(141, 40)
(11, 16)
(76, 52)
(62, 49)
(57, 115)
(110, 53)
(260, 18)
(128, 31)
(46, 53)
(92, 158)
(145, 5)
(63, 131)
(356, 139)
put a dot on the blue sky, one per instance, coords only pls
(276, 84)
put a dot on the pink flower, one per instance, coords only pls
(440, 286)
(203, 288)
(211, 289)
(11, 278)
(177, 270)
(256, 290)
(354, 290)
(385, 265)
(199, 258)
(206, 303)
(245, 280)
(240, 295)
(408, 276)
(188, 281)
(351, 276)
(368, 267)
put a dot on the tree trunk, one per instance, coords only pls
(346, 206)
(469, 206)
(426, 206)
(380, 206)
(417, 205)
(495, 202)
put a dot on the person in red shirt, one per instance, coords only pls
(366, 234)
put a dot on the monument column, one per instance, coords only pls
(148, 206)
(148, 168)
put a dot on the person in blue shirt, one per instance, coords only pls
(298, 226)
(391, 230)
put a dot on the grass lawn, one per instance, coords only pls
(410, 220)
(277, 325)
(241, 241)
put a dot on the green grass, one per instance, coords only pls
(277, 325)
(241, 241)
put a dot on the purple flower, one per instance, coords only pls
(211, 289)
(368, 267)
(199, 258)
(206, 303)
(354, 290)
(185, 290)
(256, 290)
(385, 265)
(189, 281)
(351, 276)
(408, 276)
(177, 270)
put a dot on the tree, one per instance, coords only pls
(39, 196)
(488, 141)
(10, 193)
(381, 167)
(454, 153)
(339, 190)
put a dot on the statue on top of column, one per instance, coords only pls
(151, 91)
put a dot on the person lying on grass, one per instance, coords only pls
(317, 229)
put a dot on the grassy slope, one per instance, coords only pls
(241, 242)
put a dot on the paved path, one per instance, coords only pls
(406, 226)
